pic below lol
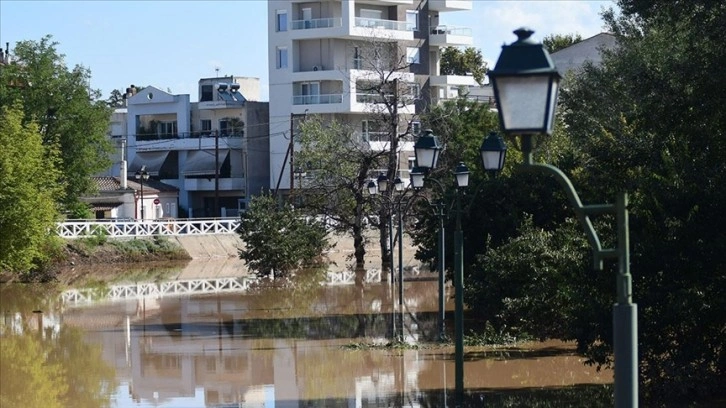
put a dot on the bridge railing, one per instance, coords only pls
(131, 228)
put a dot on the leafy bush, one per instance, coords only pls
(279, 240)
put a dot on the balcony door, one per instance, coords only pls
(307, 16)
(310, 92)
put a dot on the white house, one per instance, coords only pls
(214, 151)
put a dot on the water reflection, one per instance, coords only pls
(271, 347)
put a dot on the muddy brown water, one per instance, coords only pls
(307, 345)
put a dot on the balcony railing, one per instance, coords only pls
(188, 135)
(384, 24)
(316, 23)
(451, 30)
(317, 99)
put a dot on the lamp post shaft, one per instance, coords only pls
(625, 318)
(142, 197)
(400, 267)
(459, 304)
(442, 274)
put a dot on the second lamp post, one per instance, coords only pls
(142, 175)
(493, 153)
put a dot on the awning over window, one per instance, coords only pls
(152, 160)
(201, 162)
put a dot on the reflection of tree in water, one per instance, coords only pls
(305, 307)
(46, 368)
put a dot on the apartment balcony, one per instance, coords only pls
(387, 30)
(317, 99)
(190, 140)
(208, 184)
(452, 80)
(450, 5)
(447, 36)
(316, 23)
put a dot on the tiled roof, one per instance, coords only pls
(108, 183)
(111, 184)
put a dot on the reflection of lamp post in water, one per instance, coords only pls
(142, 175)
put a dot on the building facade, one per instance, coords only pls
(205, 149)
(326, 56)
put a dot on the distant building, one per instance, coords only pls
(574, 57)
(215, 151)
(121, 199)
(324, 57)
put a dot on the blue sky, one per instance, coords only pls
(171, 44)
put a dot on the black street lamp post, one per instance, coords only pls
(525, 83)
(142, 175)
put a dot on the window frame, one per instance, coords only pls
(281, 25)
(282, 57)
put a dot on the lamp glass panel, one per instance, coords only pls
(372, 189)
(425, 158)
(462, 179)
(493, 160)
(417, 180)
(523, 101)
(383, 184)
(553, 103)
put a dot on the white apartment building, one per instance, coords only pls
(205, 149)
(323, 54)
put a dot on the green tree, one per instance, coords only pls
(278, 239)
(29, 188)
(556, 42)
(69, 114)
(650, 121)
(372, 144)
(116, 99)
(339, 168)
(469, 61)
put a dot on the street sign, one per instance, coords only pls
(156, 201)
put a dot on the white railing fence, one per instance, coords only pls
(121, 229)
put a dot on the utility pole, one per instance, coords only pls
(292, 155)
(216, 173)
(291, 150)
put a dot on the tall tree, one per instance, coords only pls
(650, 121)
(390, 93)
(469, 61)
(69, 114)
(556, 42)
(29, 187)
(338, 166)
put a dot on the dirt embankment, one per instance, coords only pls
(100, 259)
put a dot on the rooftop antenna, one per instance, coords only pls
(216, 69)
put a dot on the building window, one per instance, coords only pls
(281, 22)
(411, 162)
(412, 55)
(371, 131)
(167, 129)
(224, 126)
(310, 92)
(206, 127)
(415, 127)
(412, 20)
(357, 59)
(207, 93)
(281, 57)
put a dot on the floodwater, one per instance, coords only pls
(307, 345)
